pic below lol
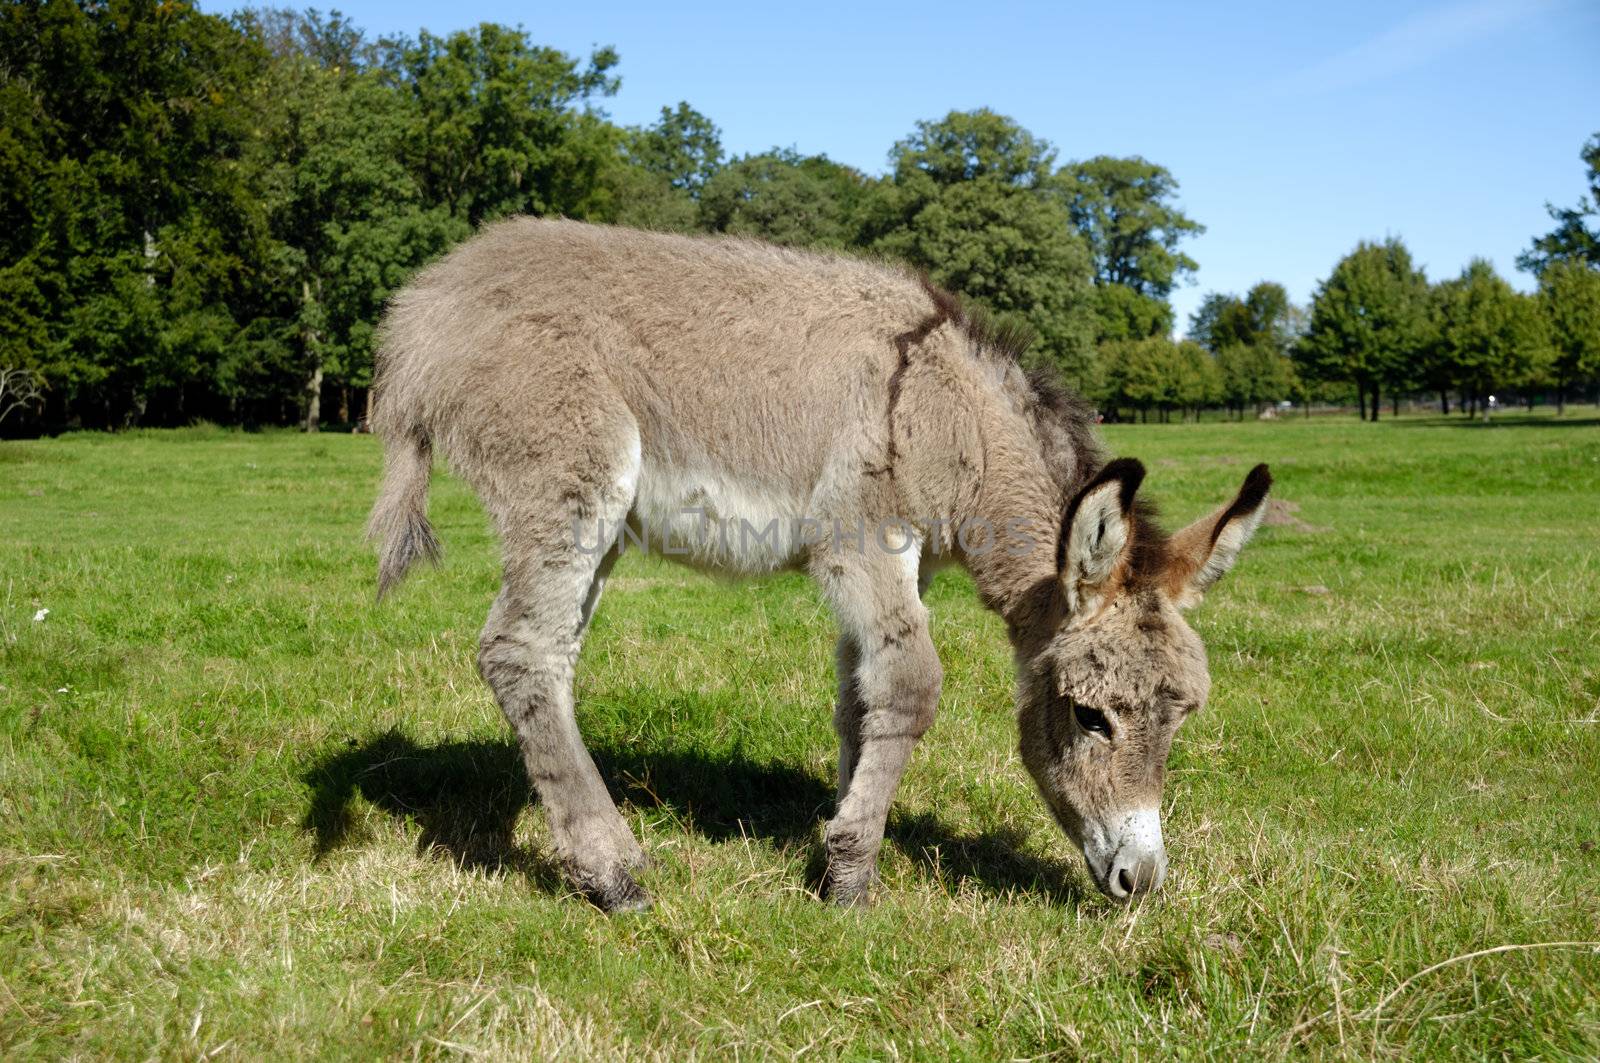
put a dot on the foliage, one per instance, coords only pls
(1369, 321)
(1121, 313)
(788, 198)
(969, 201)
(664, 169)
(1575, 236)
(1491, 336)
(684, 147)
(497, 124)
(1124, 210)
(1569, 295)
(202, 218)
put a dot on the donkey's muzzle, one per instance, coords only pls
(1130, 878)
(1137, 863)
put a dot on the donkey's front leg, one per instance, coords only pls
(889, 689)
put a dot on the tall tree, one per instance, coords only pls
(1575, 236)
(1369, 322)
(1493, 336)
(968, 201)
(1264, 316)
(1124, 210)
(1253, 375)
(1124, 314)
(135, 231)
(683, 146)
(1569, 293)
(662, 169)
(348, 213)
(501, 125)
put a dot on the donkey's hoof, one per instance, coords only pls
(618, 894)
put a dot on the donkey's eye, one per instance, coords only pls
(1092, 720)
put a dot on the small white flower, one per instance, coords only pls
(40, 615)
(61, 690)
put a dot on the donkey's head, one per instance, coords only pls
(1100, 703)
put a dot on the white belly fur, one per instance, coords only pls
(715, 519)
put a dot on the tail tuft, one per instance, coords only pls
(399, 522)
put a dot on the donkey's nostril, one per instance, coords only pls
(1125, 880)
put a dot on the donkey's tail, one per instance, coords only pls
(399, 521)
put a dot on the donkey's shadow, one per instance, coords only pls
(465, 798)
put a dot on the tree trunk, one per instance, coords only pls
(344, 404)
(1444, 402)
(1361, 399)
(1561, 398)
(314, 400)
(1396, 400)
(1377, 402)
(313, 345)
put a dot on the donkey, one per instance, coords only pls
(748, 408)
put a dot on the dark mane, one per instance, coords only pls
(1062, 419)
(1009, 339)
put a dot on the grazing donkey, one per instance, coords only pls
(749, 408)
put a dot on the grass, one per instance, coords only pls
(246, 813)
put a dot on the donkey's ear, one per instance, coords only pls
(1203, 552)
(1095, 531)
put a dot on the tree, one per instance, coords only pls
(684, 146)
(1493, 336)
(135, 231)
(1368, 322)
(1264, 315)
(968, 202)
(1222, 321)
(1124, 314)
(1253, 375)
(663, 170)
(1199, 381)
(498, 124)
(1573, 238)
(1124, 210)
(20, 389)
(348, 214)
(1569, 295)
(787, 198)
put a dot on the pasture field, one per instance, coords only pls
(247, 813)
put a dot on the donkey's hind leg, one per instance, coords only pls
(559, 545)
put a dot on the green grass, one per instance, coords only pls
(245, 812)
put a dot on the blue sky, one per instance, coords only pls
(1294, 130)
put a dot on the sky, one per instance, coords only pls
(1294, 130)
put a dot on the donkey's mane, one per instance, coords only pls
(1006, 338)
(1062, 419)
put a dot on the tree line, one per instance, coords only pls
(1377, 328)
(201, 218)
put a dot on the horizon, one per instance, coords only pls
(1449, 126)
